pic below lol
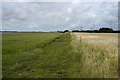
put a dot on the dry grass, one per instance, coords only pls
(100, 54)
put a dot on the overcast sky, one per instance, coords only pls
(54, 16)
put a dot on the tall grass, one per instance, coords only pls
(99, 55)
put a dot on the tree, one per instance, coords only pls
(106, 29)
(66, 31)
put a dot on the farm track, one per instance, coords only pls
(50, 42)
(45, 60)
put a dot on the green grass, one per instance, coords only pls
(57, 55)
(16, 44)
(45, 55)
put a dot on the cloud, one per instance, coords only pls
(32, 26)
(45, 16)
(69, 10)
(67, 19)
(74, 1)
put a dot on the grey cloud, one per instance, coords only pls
(47, 16)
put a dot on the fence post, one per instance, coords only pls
(80, 39)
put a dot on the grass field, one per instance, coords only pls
(99, 54)
(60, 55)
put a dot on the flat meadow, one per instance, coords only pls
(59, 55)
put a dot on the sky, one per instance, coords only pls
(57, 16)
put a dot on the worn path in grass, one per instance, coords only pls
(52, 59)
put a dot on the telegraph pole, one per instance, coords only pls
(110, 25)
(92, 28)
